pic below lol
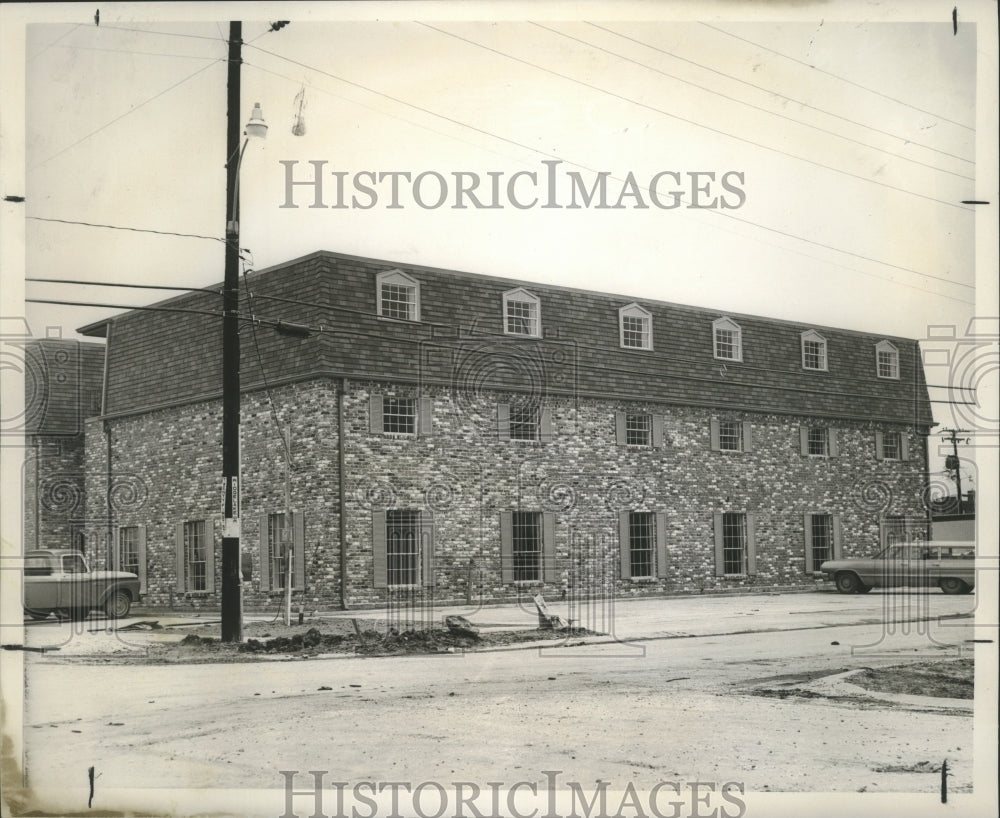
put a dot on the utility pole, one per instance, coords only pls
(232, 609)
(286, 533)
(953, 437)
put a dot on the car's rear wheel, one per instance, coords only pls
(117, 604)
(848, 583)
(953, 585)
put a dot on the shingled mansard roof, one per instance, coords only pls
(62, 385)
(158, 359)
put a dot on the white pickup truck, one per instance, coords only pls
(59, 580)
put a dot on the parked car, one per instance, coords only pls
(59, 580)
(948, 565)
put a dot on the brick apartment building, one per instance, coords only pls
(464, 437)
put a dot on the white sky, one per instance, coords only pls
(854, 169)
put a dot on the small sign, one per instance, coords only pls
(236, 496)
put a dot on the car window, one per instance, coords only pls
(37, 567)
(73, 564)
(960, 552)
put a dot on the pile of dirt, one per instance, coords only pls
(949, 679)
(374, 643)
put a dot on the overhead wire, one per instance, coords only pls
(778, 94)
(697, 124)
(120, 117)
(128, 229)
(837, 76)
(746, 103)
(716, 212)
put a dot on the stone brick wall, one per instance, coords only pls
(53, 490)
(461, 476)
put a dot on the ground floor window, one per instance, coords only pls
(276, 539)
(526, 541)
(735, 550)
(402, 543)
(641, 543)
(128, 549)
(195, 557)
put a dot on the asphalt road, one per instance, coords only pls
(681, 703)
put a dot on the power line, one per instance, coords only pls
(694, 122)
(161, 33)
(129, 229)
(793, 99)
(121, 284)
(837, 76)
(131, 110)
(716, 212)
(140, 53)
(121, 306)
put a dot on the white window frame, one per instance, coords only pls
(521, 295)
(400, 279)
(738, 436)
(633, 310)
(811, 336)
(396, 401)
(825, 443)
(727, 324)
(886, 347)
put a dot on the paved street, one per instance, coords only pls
(678, 703)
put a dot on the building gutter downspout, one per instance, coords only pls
(341, 432)
(107, 437)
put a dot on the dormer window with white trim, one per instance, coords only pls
(814, 351)
(522, 313)
(886, 360)
(727, 340)
(398, 295)
(635, 327)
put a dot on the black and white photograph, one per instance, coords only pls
(487, 410)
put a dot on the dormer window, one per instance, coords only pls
(635, 327)
(398, 296)
(814, 351)
(521, 313)
(887, 360)
(727, 339)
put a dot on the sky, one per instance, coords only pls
(851, 139)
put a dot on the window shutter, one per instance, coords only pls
(715, 434)
(804, 440)
(620, 428)
(426, 552)
(720, 563)
(141, 546)
(831, 434)
(265, 556)
(751, 546)
(838, 538)
(298, 551)
(545, 424)
(379, 556)
(375, 414)
(179, 553)
(624, 545)
(809, 544)
(549, 572)
(426, 416)
(904, 445)
(210, 555)
(116, 550)
(879, 450)
(506, 546)
(657, 431)
(881, 533)
(747, 437)
(503, 421)
(661, 544)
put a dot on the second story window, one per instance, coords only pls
(814, 351)
(731, 436)
(886, 360)
(635, 327)
(521, 313)
(727, 340)
(891, 446)
(398, 296)
(399, 415)
(524, 423)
